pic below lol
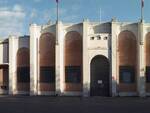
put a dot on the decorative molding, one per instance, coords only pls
(98, 48)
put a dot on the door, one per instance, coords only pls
(99, 76)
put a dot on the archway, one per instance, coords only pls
(127, 54)
(47, 62)
(73, 61)
(99, 76)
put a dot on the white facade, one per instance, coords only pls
(98, 39)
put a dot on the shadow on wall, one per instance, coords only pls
(48, 28)
(102, 28)
(5, 51)
(75, 27)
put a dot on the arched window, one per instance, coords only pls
(127, 49)
(23, 69)
(47, 62)
(73, 61)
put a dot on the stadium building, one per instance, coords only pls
(84, 59)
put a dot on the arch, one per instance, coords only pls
(147, 61)
(23, 57)
(127, 54)
(127, 45)
(73, 61)
(100, 57)
(47, 62)
(23, 69)
(99, 85)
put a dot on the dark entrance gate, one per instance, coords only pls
(99, 76)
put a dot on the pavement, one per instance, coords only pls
(45, 104)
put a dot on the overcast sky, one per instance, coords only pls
(16, 15)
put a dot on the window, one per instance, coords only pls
(127, 74)
(23, 74)
(92, 38)
(105, 38)
(73, 74)
(147, 73)
(47, 74)
(99, 37)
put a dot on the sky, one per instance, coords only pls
(17, 15)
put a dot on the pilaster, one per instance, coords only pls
(34, 36)
(59, 59)
(86, 75)
(114, 58)
(141, 61)
(13, 45)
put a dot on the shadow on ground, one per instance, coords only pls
(41, 104)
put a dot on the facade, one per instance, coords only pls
(85, 59)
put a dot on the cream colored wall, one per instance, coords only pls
(91, 48)
(95, 47)
(117, 28)
(14, 44)
(35, 33)
(98, 44)
(68, 28)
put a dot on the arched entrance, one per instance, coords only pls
(99, 76)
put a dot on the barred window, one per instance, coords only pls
(47, 74)
(127, 74)
(73, 74)
(23, 74)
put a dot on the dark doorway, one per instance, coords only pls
(99, 76)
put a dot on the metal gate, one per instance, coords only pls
(99, 76)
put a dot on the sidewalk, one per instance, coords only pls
(27, 104)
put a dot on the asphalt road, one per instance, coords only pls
(27, 104)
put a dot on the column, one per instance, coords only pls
(141, 62)
(59, 59)
(114, 59)
(34, 62)
(13, 45)
(86, 75)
